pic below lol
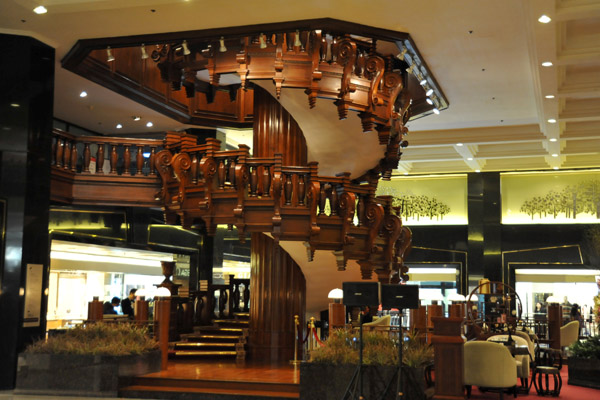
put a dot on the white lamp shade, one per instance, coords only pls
(162, 292)
(553, 299)
(336, 294)
(456, 297)
(473, 298)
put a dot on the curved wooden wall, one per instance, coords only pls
(277, 293)
(276, 131)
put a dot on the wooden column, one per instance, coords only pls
(277, 293)
(275, 131)
(162, 316)
(554, 324)
(448, 343)
(95, 310)
(337, 316)
(141, 310)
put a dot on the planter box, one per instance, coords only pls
(80, 375)
(329, 382)
(584, 372)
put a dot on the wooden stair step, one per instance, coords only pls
(198, 338)
(221, 329)
(231, 322)
(160, 382)
(204, 344)
(150, 392)
(204, 353)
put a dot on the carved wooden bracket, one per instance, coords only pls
(374, 216)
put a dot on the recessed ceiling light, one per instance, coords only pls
(119, 126)
(547, 64)
(406, 173)
(544, 19)
(136, 118)
(40, 10)
(459, 144)
(436, 111)
(478, 170)
(149, 124)
(552, 121)
(429, 101)
(15, 105)
(554, 155)
(553, 139)
(429, 92)
(549, 96)
(470, 159)
(83, 94)
(423, 82)
(555, 167)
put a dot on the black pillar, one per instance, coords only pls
(26, 108)
(485, 230)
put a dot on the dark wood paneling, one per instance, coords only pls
(275, 131)
(277, 293)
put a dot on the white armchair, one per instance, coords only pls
(381, 323)
(523, 360)
(489, 365)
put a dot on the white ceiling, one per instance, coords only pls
(485, 54)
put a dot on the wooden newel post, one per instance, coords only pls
(162, 314)
(448, 344)
(95, 310)
(141, 310)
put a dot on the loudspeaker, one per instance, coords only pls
(399, 296)
(361, 293)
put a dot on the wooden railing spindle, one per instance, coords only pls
(139, 160)
(152, 160)
(322, 198)
(301, 189)
(287, 189)
(231, 170)
(66, 155)
(86, 157)
(221, 174)
(253, 181)
(113, 159)
(126, 160)
(100, 158)
(333, 201)
(74, 156)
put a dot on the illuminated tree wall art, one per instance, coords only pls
(571, 201)
(421, 206)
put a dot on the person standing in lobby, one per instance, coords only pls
(127, 304)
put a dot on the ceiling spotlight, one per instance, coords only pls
(429, 101)
(109, 56)
(554, 155)
(423, 82)
(478, 170)
(144, 54)
(552, 121)
(547, 64)
(429, 92)
(119, 126)
(263, 41)
(436, 111)
(549, 96)
(222, 47)
(555, 168)
(470, 159)
(40, 10)
(406, 173)
(402, 54)
(553, 139)
(83, 94)
(544, 19)
(15, 105)
(459, 144)
(186, 49)
(297, 42)
(136, 118)
(149, 124)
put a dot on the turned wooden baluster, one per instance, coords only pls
(266, 181)
(113, 159)
(66, 155)
(86, 157)
(301, 189)
(323, 198)
(221, 174)
(287, 189)
(74, 157)
(139, 160)
(100, 158)
(253, 181)
(60, 148)
(194, 168)
(126, 160)
(232, 171)
(152, 160)
(361, 210)
(333, 200)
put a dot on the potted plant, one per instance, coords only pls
(329, 373)
(584, 363)
(87, 360)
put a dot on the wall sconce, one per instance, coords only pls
(144, 54)
(297, 42)
(186, 49)
(222, 47)
(109, 56)
(263, 41)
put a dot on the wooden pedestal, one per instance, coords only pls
(448, 343)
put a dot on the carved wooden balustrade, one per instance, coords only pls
(103, 171)
(204, 185)
(221, 301)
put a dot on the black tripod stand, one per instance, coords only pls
(399, 372)
(350, 392)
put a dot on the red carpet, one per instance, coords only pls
(568, 392)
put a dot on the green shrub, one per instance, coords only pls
(97, 339)
(379, 349)
(589, 348)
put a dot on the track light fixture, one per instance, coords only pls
(109, 56)
(222, 47)
(186, 49)
(144, 54)
(263, 41)
(297, 42)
